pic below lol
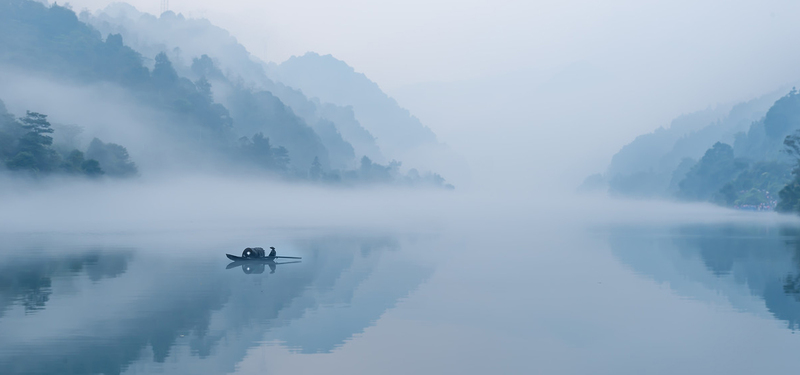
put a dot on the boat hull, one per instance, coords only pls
(264, 259)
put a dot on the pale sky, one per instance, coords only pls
(399, 42)
(615, 69)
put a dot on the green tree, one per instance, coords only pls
(163, 72)
(203, 66)
(34, 150)
(784, 116)
(92, 168)
(757, 186)
(72, 163)
(204, 88)
(75, 163)
(727, 195)
(36, 143)
(37, 124)
(22, 161)
(316, 170)
(789, 198)
(374, 172)
(790, 194)
(113, 158)
(10, 132)
(716, 168)
(259, 150)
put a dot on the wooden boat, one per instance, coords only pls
(267, 258)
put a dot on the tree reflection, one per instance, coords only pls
(791, 282)
(760, 261)
(215, 314)
(28, 282)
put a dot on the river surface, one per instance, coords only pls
(502, 297)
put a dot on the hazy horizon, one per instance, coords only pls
(629, 67)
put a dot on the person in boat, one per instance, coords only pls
(272, 252)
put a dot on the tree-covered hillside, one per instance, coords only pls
(748, 167)
(654, 163)
(26, 146)
(53, 42)
(333, 81)
(222, 116)
(239, 73)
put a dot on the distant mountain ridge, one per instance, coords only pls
(747, 158)
(198, 111)
(653, 164)
(360, 117)
(689, 136)
(333, 81)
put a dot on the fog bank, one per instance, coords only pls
(233, 203)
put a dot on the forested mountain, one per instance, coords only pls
(185, 39)
(51, 41)
(333, 81)
(653, 164)
(223, 113)
(743, 159)
(648, 151)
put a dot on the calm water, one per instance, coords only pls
(505, 298)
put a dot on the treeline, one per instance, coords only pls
(755, 168)
(758, 171)
(252, 129)
(370, 172)
(233, 71)
(26, 146)
(722, 178)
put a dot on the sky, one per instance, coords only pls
(549, 74)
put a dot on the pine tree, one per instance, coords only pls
(316, 169)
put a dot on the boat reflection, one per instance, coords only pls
(257, 266)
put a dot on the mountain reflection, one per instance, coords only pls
(28, 281)
(112, 312)
(743, 264)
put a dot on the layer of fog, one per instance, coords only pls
(107, 112)
(200, 203)
(181, 189)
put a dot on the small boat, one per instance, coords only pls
(258, 254)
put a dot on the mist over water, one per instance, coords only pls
(157, 297)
